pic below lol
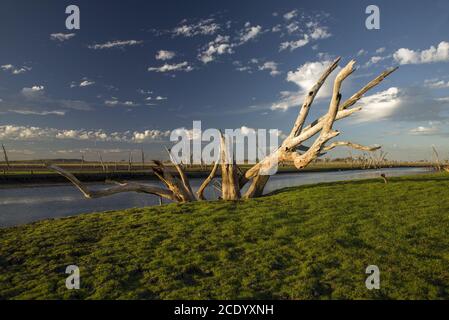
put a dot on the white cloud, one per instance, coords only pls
(431, 55)
(313, 32)
(380, 105)
(165, 55)
(183, 66)
(61, 36)
(86, 83)
(115, 102)
(319, 33)
(292, 45)
(149, 135)
(380, 50)
(305, 78)
(361, 52)
(401, 104)
(30, 133)
(34, 91)
(290, 15)
(14, 70)
(203, 27)
(249, 32)
(219, 46)
(39, 113)
(115, 44)
(271, 66)
(436, 84)
(421, 130)
(276, 28)
(7, 67)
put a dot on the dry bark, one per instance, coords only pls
(291, 150)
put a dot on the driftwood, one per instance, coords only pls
(177, 186)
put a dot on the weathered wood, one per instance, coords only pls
(256, 187)
(291, 150)
(230, 189)
(121, 187)
(200, 192)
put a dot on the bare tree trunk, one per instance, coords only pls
(291, 150)
(6, 156)
(101, 162)
(257, 186)
(436, 159)
(230, 189)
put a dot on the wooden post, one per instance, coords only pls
(143, 159)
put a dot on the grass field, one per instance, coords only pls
(309, 242)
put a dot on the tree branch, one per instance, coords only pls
(122, 187)
(351, 145)
(200, 192)
(308, 100)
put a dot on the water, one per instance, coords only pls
(19, 205)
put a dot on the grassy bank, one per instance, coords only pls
(309, 242)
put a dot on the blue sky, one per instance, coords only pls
(138, 69)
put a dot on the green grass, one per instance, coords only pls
(309, 242)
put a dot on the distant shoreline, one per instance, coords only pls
(44, 178)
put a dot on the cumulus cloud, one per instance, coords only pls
(221, 45)
(149, 135)
(115, 44)
(401, 104)
(61, 37)
(305, 77)
(33, 92)
(271, 66)
(249, 33)
(431, 55)
(165, 55)
(31, 133)
(183, 66)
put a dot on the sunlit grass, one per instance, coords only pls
(308, 242)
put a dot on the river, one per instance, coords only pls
(19, 205)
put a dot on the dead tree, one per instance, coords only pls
(292, 150)
(101, 162)
(6, 156)
(436, 159)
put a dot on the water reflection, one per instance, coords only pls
(24, 205)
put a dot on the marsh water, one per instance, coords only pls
(19, 204)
